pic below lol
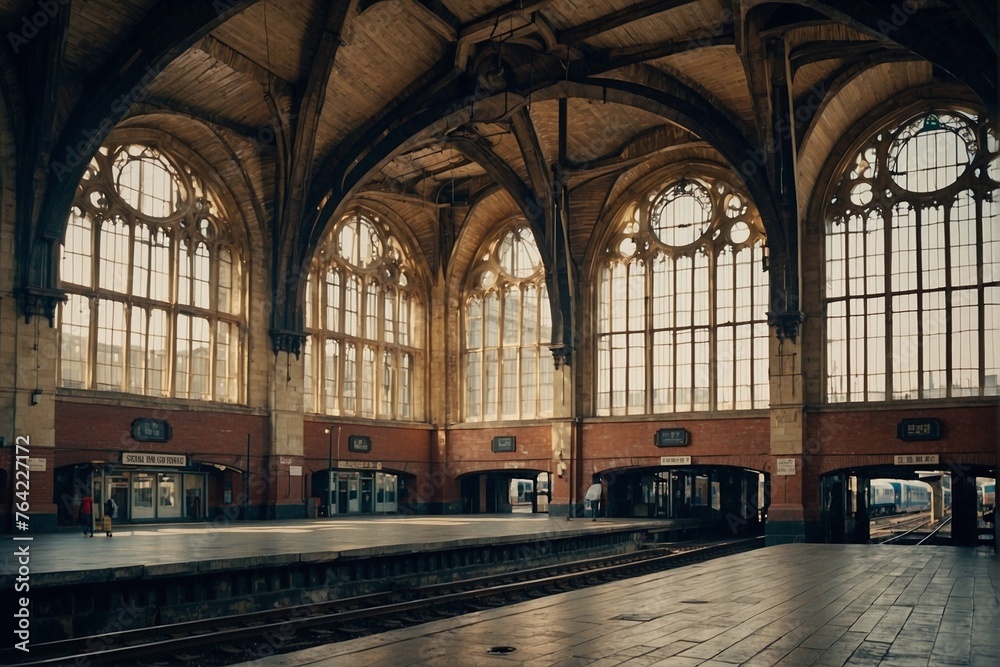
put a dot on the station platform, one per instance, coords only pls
(793, 604)
(168, 548)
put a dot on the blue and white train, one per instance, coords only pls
(898, 496)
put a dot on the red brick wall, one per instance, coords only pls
(100, 432)
(741, 442)
(856, 438)
(400, 448)
(470, 450)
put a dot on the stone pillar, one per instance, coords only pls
(27, 406)
(272, 477)
(937, 499)
(793, 514)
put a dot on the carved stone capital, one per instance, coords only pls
(41, 301)
(561, 354)
(786, 323)
(287, 340)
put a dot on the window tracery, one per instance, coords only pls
(154, 275)
(912, 291)
(363, 313)
(681, 301)
(507, 327)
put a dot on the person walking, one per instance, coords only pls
(593, 496)
(110, 512)
(87, 514)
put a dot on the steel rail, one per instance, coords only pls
(158, 640)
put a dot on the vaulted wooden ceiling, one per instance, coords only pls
(458, 114)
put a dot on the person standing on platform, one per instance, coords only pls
(87, 514)
(110, 512)
(594, 497)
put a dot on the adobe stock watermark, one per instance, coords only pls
(76, 154)
(34, 22)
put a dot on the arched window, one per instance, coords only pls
(913, 264)
(363, 314)
(508, 325)
(154, 275)
(681, 295)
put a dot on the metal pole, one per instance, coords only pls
(329, 474)
(246, 485)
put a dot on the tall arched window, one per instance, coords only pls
(154, 274)
(364, 317)
(508, 325)
(681, 295)
(913, 264)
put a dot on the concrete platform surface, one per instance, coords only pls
(794, 604)
(169, 547)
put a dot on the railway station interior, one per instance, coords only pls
(734, 261)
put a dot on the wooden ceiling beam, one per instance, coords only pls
(168, 29)
(813, 52)
(963, 50)
(617, 58)
(175, 107)
(539, 171)
(616, 19)
(238, 62)
(296, 162)
(500, 23)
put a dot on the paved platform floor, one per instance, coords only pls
(167, 544)
(795, 604)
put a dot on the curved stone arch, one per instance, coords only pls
(229, 189)
(817, 147)
(398, 228)
(978, 461)
(470, 240)
(605, 224)
(878, 119)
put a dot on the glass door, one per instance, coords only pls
(142, 496)
(169, 493)
(367, 493)
(194, 496)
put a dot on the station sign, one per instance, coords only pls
(915, 459)
(672, 437)
(360, 465)
(919, 429)
(675, 460)
(152, 459)
(504, 443)
(784, 467)
(359, 443)
(151, 430)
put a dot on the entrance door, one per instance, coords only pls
(352, 493)
(194, 496)
(367, 493)
(169, 496)
(142, 496)
(118, 489)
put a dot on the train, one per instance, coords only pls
(898, 496)
(986, 494)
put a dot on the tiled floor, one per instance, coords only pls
(797, 604)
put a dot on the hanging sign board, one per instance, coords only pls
(504, 443)
(672, 437)
(359, 443)
(151, 430)
(919, 429)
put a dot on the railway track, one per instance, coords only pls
(919, 534)
(229, 640)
